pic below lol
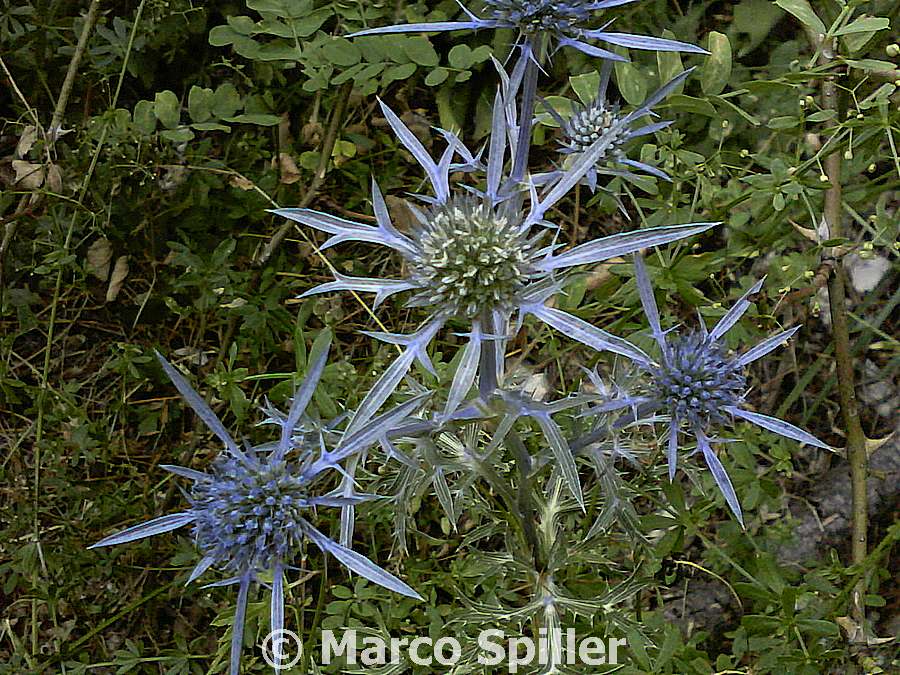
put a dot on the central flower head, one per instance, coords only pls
(589, 125)
(698, 380)
(532, 16)
(249, 518)
(470, 258)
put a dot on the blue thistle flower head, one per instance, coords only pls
(470, 256)
(548, 25)
(250, 517)
(252, 512)
(700, 385)
(698, 381)
(536, 16)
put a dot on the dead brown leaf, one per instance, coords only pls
(28, 176)
(99, 255)
(120, 271)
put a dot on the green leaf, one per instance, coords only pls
(818, 626)
(274, 7)
(311, 22)
(669, 64)
(279, 50)
(436, 77)
(226, 101)
(369, 72)
(275, 27)
(586, 86)
(461, 57)
(167, 109)
(804, 12)
(222, 36)
(341, 52)
(182, 135)
(309, 160)
(200, 104)
(375, 47)
(632, 83)
(463, 76)
(690, 104)
(822, 115)
(419, 50)
(402, 71)
(864, 24)
(783, 122)
(350, 73)
(210, 126)
(722, 101)
(260, 119)
(778, 202)
(247, 47)
(871, 65)
(560, 104)
(449, 112)
(144, 117)
(481, 54)
(856, 41)
(716, 70)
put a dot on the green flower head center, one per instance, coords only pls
(471, 258)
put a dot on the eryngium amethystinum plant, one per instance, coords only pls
(252, 513)
(477, 255)
(482, 256)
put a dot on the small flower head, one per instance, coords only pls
(470, 256)
(698, 380)
(595, 118)
(536, 16)
(549, 23)
(589, 124)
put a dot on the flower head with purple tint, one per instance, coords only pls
(701, 386)
(599, 118)
(548, 24)
(252, 512)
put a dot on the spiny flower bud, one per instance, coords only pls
(588, 126)
(532, 16)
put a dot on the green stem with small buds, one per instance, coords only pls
(856, 439)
